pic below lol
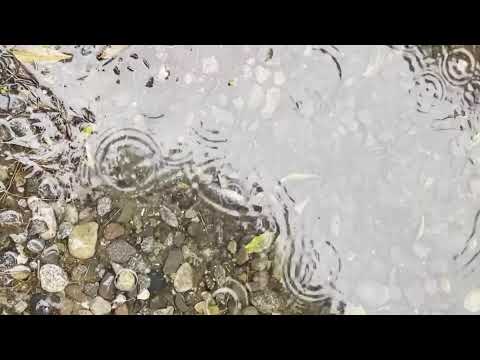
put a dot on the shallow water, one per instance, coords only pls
(361, 159)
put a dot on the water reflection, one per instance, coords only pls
(379, 142)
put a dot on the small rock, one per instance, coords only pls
(42, 212)
(107, 287)
(147, 244)
(120, 251)
(79, 272)
(100, 306)
(84, 312)
(52, 278)
(20, 272)
(91, 289)
(83, 240)
(67, 307)
(126, 280)
(260, 264)
(36, 246)
(18, 238)
(472, 301)
(121, 310)
(174, 260)
(2, 187)
(44, 304)
(157, 282)
(75, 292)
(3, 173)
(267, 301)
(242, 256)
(10, 218)
(250, 310)
(179, 239)
(220, 275)
(104, 206)
(86, 214)
(167, 311)
(71, 214)
(168, 216)
(195, 230)
(184, 278)
(190, 214)
(64, 230)
(232, 247)
(260, 281)
(180, 303)
(113, 231)
(20, 307)
(143, 295)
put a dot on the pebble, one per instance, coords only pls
(43, 304)
(121, 310)
(53, 278)
(143, 294)
(260, 264)
(3, 173)
(18, 238)
(67, 307)
(107, 287)
(83, 240)
(120, 251)
(179, 239)
(173, 261)
(157, 282)
(250, 310)
(167, 311)
(43, 212)
(472, 301)
(100, 306)
(36, 246)
(64, 230)
(71, 214)
(75, 292)
(10, 218)
(267, 301)
(20, 272)
(242, 256)
(20, 306)
(104, 206)
(126, 280)
(195, 229)
(84, 312)
(168, 216)
(190, 214)
(91, 289)
(184, 278)
(147, 244)
(232, 247)
(113, 231)
(180, 303)
(86, 214)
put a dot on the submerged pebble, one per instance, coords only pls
(53, 278)
(83, 240)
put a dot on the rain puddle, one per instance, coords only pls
(239, 179)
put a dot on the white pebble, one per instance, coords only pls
(472, 301)
(52, 278)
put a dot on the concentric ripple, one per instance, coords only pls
(429, 90)
(128, 159)
(458, 66)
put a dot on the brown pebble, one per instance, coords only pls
(121, 310)
(113, 231)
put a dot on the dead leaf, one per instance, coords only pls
(40, 54)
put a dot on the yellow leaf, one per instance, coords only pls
(260, 242)
(40, 54)
(88, 130)
(3, 90)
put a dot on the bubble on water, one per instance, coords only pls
(127, 159)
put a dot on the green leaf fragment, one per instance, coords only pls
(260, 242)
(3, 90)
(88, 130)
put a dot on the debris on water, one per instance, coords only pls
(260, 243)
